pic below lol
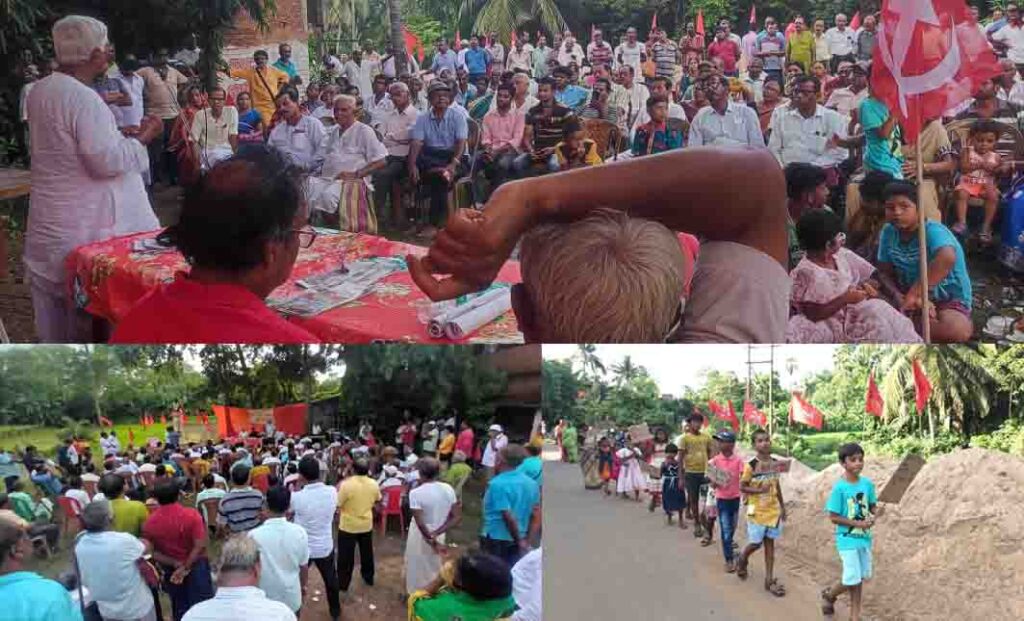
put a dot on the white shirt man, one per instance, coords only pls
(494, 446)
(86, 187)
(841, 41)
(520, 59)
(630, 54)
(396, 130)
(435, 500)
(845, 101)
(313, 509)
(572, 54)
(798, 139)
(388, 66)
(108, 563)
(527, 581)
(109, 445)
(737, 126)
(301, 142)
(284, 552)
(239, 602)
(636, 103)
(347, 150)
(128, 116)
(212, 134)
(1012, 35)
(377, 108)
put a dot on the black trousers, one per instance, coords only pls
(329, 573)
(384, 179)
(163, 164)
(507, 551)
(347, 543)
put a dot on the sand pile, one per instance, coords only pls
(953, 548)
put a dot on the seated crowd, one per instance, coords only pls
(276, 505)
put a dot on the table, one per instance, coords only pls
(14, 182)
(108, 278)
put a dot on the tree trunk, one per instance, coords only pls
(397, 39)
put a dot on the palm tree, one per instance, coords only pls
(592, 365)
(505, 16)
(212, 19)
(397, 39)
(962, 385)
(625, 372)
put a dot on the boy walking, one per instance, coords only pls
(852, 507)
(765, 511)
(695, 451)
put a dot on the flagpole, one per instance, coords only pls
(922, 243)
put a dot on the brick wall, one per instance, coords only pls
(287, 25)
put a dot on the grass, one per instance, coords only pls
(47, 439)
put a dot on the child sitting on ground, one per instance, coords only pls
(575, 150)
(807, 190)
(899, 267)
(852, 507)
(834, 295)
(979, 167)
(766, 511)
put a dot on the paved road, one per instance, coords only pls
(606, 558)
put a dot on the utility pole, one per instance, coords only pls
(751, 362)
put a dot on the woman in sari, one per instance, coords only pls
(588, 460)
(250, 123)
(179, 144)
(655, 136)
(570, 443)
(772, 98)
(350, 152)
(474, 587)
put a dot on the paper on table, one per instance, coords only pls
(467, 322)
(331, 289)
(436, 327)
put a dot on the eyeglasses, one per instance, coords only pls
(306, 236)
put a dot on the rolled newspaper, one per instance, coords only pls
(484, 314)
(436, 327)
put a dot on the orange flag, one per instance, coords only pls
(700, 22)
(922, 387)
(163, 419)
(873, 403)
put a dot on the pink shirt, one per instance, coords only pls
(734, 466)
(503, 129)
(464, 442)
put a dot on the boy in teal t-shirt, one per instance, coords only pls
(883, 150)
(852, 507)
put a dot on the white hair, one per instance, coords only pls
(401, 87)
(76, 37)
(349, 99)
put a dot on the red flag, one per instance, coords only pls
(106, 422)
(731, 417)
(752, 415)
(855, 22)
(131, 436)
(922, 387)
(184, 419)
(873, 403)
(929, 58)
(413, 44)
(753, 15)
(654, 22)
(163, 419)
(700, 22)
(802, 412)
(716, 410)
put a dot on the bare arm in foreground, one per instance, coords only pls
(736, 195)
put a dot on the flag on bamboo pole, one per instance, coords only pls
(654, 21)
(800, 411)
(753, 15)
(163, 419)
(731, 417)
(700, 22)
(752, 415)
(413, 44)
(873, 403)
(855, 22)
(922, 387)
(184, 418)
(929, 58)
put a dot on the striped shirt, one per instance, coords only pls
(665, 54)
(547, 124)
(240, 509)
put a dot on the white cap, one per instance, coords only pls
(495, 428)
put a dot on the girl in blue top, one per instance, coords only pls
(949, 286)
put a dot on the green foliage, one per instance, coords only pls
(890, 441)
(561, 389)
(1009, 438)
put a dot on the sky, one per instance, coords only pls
(674, 367)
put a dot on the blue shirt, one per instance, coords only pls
(573, 97)
(509, 491)
(477, 60)
(904, 256)
(440, 133)
(882, 153)
(288, 67)
(852, 501)
(27, 596)
(448, 60)
(532, 467)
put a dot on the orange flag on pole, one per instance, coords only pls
(922, 387)
(873, 403)
(700, 22)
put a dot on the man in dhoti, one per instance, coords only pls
(86, 176)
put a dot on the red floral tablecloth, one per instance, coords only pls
(108, 278)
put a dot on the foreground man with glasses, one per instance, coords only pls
(241, 228)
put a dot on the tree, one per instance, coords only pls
(397, 38)
(561, 391)
(625, 372)
(506, 16)
(589, 361)
(210, 19)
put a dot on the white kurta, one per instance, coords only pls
(86, 177)
(422, 563)
(346, 151)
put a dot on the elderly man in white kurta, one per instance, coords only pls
(350, 152)
(86, 176)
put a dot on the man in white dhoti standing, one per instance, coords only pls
(86, 176)
(435, 510)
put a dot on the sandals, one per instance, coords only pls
(741, 568)
(828, 602)
(774, 587)
(705, 542)
(985, 237)
(959, 229)
(730, 567)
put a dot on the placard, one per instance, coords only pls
(716, 475)
(640, 433)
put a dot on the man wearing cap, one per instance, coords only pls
(438, 141)
(497, 440)
(727, 496)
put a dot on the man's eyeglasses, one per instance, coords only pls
(306, 236)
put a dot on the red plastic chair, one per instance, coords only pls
(261, 482)
(392, 506)
(71, 510)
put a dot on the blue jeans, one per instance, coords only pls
(728, 510)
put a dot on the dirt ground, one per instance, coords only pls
(385, 601)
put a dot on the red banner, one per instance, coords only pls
(873, 403)
(731, 417)
(752, 415)
(922, 387)
(800, 411)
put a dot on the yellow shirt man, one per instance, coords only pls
(356, 497)
(259, 81)
(129, 516)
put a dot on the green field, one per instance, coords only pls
(47, 439)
